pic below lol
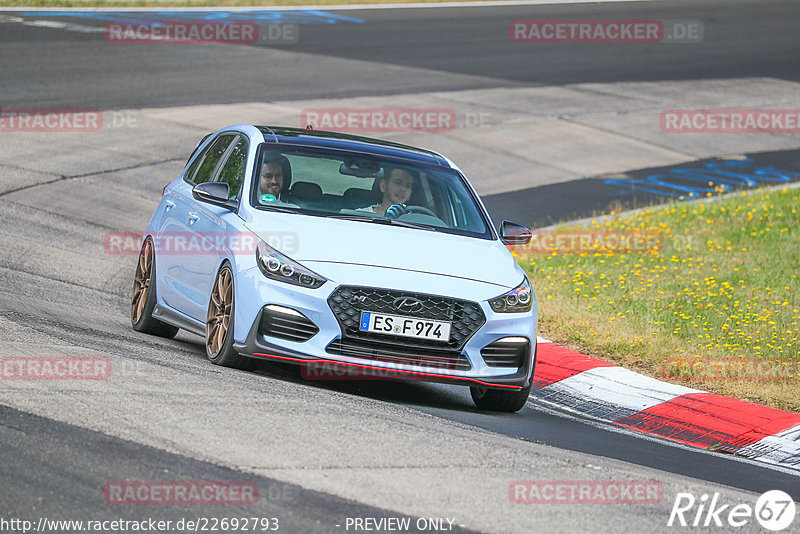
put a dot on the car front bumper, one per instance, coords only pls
(315, 356)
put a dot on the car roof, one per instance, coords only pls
(340, 141)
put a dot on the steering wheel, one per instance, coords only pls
(421, 209)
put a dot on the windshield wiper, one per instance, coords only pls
(280, 209)
(406, 224)
(382, 220)
(352, 217)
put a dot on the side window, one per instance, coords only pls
(440, 198)
(210, 159)
(203, 140)
(466, 214)
(424, 194)
(187, 177)
(234, 168)
(458, 208)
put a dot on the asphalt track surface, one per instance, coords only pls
(430, 49)
(61, 453)
(551, 204)
(47, 462)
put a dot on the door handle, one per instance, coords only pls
(193, 217)
(169, 205)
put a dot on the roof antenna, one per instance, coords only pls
(309, 127)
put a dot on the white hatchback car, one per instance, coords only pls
(352, 257)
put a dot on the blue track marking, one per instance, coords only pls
(297, 17)
(686, 183)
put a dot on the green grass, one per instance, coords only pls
(717, 308)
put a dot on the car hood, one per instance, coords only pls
(317, 239)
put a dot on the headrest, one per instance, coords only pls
(307, 191)
(355, 197)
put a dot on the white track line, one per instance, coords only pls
(783, 448)
(611, 393)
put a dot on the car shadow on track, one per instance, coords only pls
(423, 395)
(406, 392)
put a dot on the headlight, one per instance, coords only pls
(276, 266)
(519, 299)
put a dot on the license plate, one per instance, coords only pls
(398, 325)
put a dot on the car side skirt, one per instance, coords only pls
(176, 318)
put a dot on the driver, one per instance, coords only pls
(396, 186)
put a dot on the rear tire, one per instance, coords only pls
(498, 400)
(143, 300)
(219, 323)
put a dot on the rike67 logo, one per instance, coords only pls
(774, 511)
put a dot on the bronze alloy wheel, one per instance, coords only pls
(141, 281)
(219, 312)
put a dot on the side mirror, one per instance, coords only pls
(216, 193)
(512, 233)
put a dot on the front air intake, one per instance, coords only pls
(286, 323)
(506, 352)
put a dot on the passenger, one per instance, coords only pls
(396, 186)
(276, 176)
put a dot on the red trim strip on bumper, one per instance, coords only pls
(398, 371)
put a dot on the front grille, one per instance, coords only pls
(505, 354)
(347, 303)
(443, 359)
(286, 324)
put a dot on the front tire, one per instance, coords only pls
(143, 300)
(499, 400)
(219, 323)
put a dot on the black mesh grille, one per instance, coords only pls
(347, 303)
(500, 354)
(452, 360)
(286, 325)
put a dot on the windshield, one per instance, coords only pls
(364, 188)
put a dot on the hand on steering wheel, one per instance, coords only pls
(396, 210)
